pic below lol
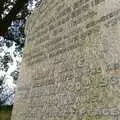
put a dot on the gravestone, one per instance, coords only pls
(71, 64)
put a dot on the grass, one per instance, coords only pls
(5, 112)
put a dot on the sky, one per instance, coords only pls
(9, 82)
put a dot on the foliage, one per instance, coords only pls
(13, 15)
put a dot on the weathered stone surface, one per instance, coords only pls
(71, 64)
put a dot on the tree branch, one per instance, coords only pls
(2, 2)
(6, 21)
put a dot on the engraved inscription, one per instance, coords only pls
(71, 64)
